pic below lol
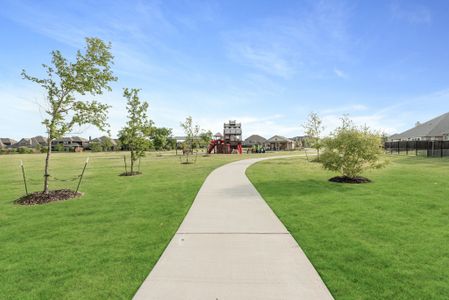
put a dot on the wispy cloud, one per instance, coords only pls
(284, 47)
(411, 12)
(340, 73)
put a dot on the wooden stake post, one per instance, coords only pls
(24, 177)
(82, 174)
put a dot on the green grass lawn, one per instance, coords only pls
(388, 239)
(99, 246)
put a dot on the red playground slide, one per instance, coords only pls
(211, 147)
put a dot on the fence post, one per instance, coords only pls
(406, 148)
(441, 149)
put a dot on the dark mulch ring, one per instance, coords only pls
(346, 179)
(42, 198)
(130, 173)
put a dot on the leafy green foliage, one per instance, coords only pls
(59, 147)
(106, 144)
(90, 74)
(351, 150)
(24, 150)
(95, 147)
(134, 136)
(192, 134)
(205, 138)
(160, 136)
(313, 129)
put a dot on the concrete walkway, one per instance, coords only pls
(232, 246)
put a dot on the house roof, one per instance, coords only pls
(40, 139)
(299, 137)
(31, 142)
(78, 139)
(255, 138)
(102, 138)
(7, 141)
(435, 127)
(278, 138)
(72, 139)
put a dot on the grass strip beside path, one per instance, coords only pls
(384, 240)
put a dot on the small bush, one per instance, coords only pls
(24, 150)
(351, 150)
(96, 147)
(59, 147)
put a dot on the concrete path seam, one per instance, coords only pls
(231, 246)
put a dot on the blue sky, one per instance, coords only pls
(264, 63)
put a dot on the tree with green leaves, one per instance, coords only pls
(192, 134)
(134, 136)
(160, 137)
(65, 81)
(205, 137)
(106, 144)
(350, 150)
(95, 147)
(313, 129)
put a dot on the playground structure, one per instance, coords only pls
(228, 143)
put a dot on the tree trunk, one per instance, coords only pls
(318, 154)
(47, 162)
(132, 162)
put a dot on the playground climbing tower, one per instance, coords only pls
(230, 142)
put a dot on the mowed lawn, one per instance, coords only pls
(102, 245)
(388, 239)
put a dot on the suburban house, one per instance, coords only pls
(436, 129)
(300, 141)
(103, 140)
(73, 144)
(31, 142)
(254, 140)
(7, 142)
(278, 142)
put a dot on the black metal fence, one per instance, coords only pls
(423, 148)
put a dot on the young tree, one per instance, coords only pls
(350, 150)
(313, 130)
(134, 136)
(90, 73)
(192, 134)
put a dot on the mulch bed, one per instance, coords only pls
(346, 179)
(42, 198)
(130, 173)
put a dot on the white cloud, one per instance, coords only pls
(340, 73)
